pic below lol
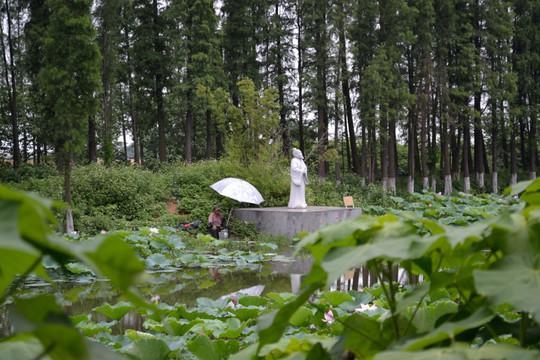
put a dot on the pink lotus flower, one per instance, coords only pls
(328, 317)
(515, 196)
(155, 298)
(103, 232)
(439, 193)
(154, 231)
(234, 299)
(430, 205)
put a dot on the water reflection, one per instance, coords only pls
(183, 287)
(186, 286)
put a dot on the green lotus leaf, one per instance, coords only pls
(175, 242)
(268, 246)
(515, 280)
(115, 312)
(78, 318)
(427, 316)
(234, 329)
(206, 302)
(206, 284)
(78, 268)
(281, 297)
(154, 325)
(157, 260)
(244, 314)
(138, 335)
(463, 351)
(205, 238)
(90, 328)
(447, 330)
(203, 348)
(301, 317)
(179, 327)
(21, 347)
(148, 349)
(336, 298)
(249, 300)
(214, 326)
(159, 244)
(115, 259)
(358, 298)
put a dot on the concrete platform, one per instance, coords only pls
(288, 222)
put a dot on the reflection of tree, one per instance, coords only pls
(81, 298)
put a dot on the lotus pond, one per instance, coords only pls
(210, 304)
(174, 275)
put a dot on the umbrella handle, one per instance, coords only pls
(227, 223)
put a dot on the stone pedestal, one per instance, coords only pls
(288, 222)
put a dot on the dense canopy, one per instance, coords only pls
(432, 90)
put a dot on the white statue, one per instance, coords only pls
(299, 179)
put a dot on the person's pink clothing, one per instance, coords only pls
(215, 219)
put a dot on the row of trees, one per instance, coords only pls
(455, 80)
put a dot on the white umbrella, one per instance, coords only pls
(239, 190)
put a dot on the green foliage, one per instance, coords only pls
(25, 238)
(252, 145)
(469, 274)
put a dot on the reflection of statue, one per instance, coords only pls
(299, 180)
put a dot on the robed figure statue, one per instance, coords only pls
(297, 199)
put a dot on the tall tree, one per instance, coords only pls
(316, 37)
(526, 66)
(151, 60)
(201, 47)
(364, 47)
(242, 20)
(500, 81)
(69, 80)
(8, 57)
(108, 14)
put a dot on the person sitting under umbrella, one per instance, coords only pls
(215, 222)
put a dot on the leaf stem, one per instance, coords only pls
(523, 328)
(389, 295)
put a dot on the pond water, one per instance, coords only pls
(82, 294)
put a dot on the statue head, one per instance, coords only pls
(297, 154)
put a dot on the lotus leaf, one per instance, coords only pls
(336, 298)
(115, 312)
(301, 317)
(148, 349)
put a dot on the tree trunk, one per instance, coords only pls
(92, 145)
(68, 163)
(347, 95)
(300, 81)
(9, 72)
(494, 153)
(533, 149)
(124, 138)
(392, 161)
(134, 133)
(465, 156)
(384, 149)
(364, 156)
(208, 134)
(513, 156)
(189, 128)
(160, 118)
